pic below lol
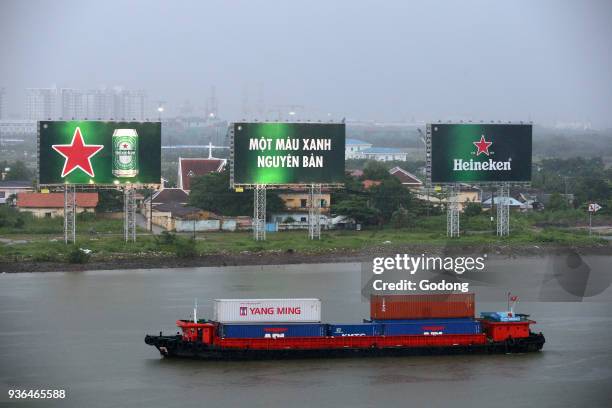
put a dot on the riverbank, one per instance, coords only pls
(290, 256)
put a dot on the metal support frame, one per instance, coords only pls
(259, 212)
(129, 211)
(452, 211)
(230, 141)
(503, 210)
(428, 155)
(69, 213)
(314, 211)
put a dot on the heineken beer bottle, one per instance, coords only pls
(125, 153)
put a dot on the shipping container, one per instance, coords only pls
(424, 321)
(451, 305)
(272, 331)
(343, 330)
(432, 327)
(267, 310)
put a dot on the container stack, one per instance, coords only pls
(269, 318)
(400, 315)
(391, 315)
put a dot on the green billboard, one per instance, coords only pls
(101, 153)
(288, 153)
(479, 153)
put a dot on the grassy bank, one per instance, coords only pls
(113, 247)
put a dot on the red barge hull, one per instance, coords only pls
(200, 341)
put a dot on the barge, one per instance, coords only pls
(493, 332)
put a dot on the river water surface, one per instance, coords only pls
(83, 332)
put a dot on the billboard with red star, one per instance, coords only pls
(99, 153)
(479, 153)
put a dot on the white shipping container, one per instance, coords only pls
(267, 310)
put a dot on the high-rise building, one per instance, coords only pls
(72, 104)
(41, 103)
(131, 105)
(108, 103)
(99, 104)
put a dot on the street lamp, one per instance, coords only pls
(160, 109)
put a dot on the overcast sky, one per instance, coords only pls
(393, 60)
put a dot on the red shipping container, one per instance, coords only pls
(448, 305)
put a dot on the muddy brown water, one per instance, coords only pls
(83, 332)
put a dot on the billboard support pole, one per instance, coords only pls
(259, 212)
(314, 212)
(129, 211)
(452, 211)
(503, 210)
(69, 213)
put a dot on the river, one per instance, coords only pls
(83, 332)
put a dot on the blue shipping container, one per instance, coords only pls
(342, 330)
(241, 331)
(432, 327)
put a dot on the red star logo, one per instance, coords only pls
(77, 154)
(482, 146)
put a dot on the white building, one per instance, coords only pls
(354, 147)
(133, 104)
(10, 189)
(384, 154)
(41, 103)
(72, 103)
(67, 103)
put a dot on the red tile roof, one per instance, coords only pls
(405, 177)
(55, 200)
(197, 167)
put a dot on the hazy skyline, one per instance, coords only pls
(517, 60)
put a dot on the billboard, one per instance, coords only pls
(478, 153)
(96, 152)
(288, 153)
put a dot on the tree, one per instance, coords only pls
(388, 196)
(352, 188)
(592, 189)
(472, 209)
(556, 202)
(375, 170)
(357, 209)
(109, 201)
(211, 193)
(18, 171)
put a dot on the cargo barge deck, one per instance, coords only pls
(370, 346)
(439, 328)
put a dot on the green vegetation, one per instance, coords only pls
(533, 228)
(472, 209)
(588, 179)
(17, 170)
(211, 193)
(77, 255)
(13, 222)
(185, 248)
